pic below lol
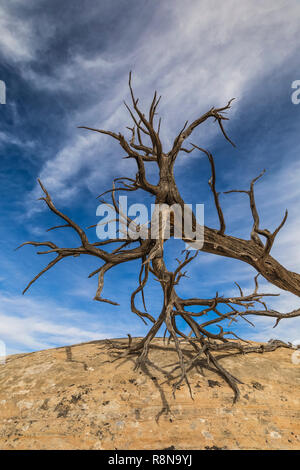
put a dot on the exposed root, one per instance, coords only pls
(207, 351)
(207, 319)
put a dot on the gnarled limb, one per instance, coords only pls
(218, 312)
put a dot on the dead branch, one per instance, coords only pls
(219, 311)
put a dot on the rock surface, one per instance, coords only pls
(76, 397)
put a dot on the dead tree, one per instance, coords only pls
(144, 145)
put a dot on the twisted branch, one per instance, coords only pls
(220, 312)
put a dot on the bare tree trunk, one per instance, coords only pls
(151, 252)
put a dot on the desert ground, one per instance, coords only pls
(79, 397)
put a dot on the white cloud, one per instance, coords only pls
(15, 46)
(197, 56)
(74, 75)
(31, 324)
(287, 330)
(21, 38)
(10, 139)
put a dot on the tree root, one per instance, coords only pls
(142, 347)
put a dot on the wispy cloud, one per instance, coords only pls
(206, 61)
(62, 74)
(35, 323)
(15, 47)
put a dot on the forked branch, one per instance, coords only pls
(210, 323)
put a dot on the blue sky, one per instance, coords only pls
(66, 64)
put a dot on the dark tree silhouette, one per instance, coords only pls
(144, 145)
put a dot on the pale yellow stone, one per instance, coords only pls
(51, 402)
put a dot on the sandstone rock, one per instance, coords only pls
(76, 397)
